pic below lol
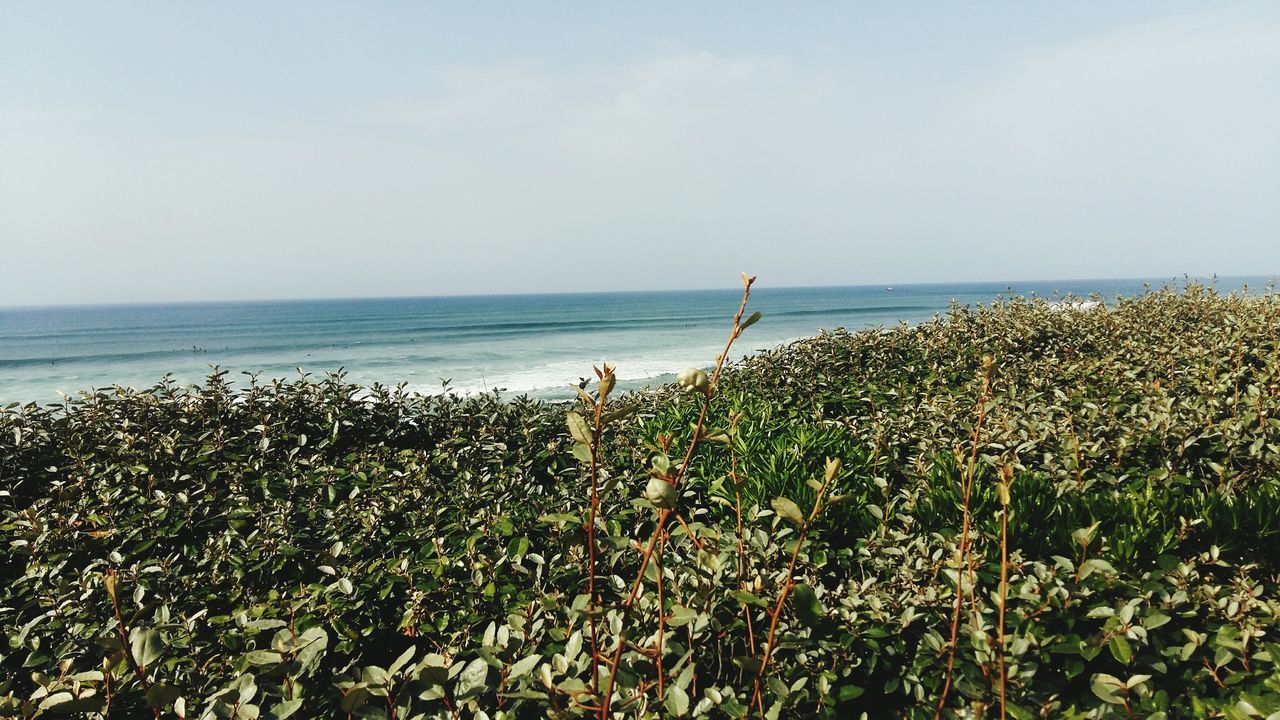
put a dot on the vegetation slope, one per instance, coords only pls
(1039, 510)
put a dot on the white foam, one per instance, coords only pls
(1076, 305)
(558, 377)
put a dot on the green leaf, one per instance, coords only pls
(1083, 536)
(660, 463)
(1120, 649)
(472, 679)
(523, 666)
(161, 695)
(573, 647)
(55, 700)
(831, 469)
(677, 701)
(557, 518)
(849, 692)
(310, 647)
(617, 414)
(264, 657)
(751, 320)
(354, 698)
(1108, 688)
(808, 608)
(747, 598)
(284, 709)
(578, 427)
(401, 661)
(146, 645)
(681, 615)
(582, 452)
(788, 509)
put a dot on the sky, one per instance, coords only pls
(159, 151)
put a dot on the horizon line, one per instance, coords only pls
(1271, 278)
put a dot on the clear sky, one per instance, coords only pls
(156, 151)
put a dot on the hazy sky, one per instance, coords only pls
(183, 151)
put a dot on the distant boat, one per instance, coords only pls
(888, 289)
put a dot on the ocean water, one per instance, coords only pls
(522, 344)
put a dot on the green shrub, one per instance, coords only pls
(309, 548)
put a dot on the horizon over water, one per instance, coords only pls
(538, 344)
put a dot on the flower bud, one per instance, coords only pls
(692, 380)
(544, 674)
(660, 493)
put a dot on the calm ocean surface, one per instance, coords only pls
(534, 344)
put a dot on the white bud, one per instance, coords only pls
(692, 380)
(660, 493)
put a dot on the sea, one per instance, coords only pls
(536, 345)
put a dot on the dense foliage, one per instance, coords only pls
(314, 549)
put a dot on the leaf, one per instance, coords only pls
(56, 699)
(582, 452)
(1108, 688)
(617, 414)
(573, 647)
(788, 509)
(354, 699)
(472, 679)
(111, 581)
(578, 427)
(849, 692)
(660, 463)
(1137, 680)
(677, 701)
(681, 615)
(1084, 536)
(832, 469)
(808, 608)
(401, 661)
(310, 648)
(146, 645)
(751, 320)
(161, 694)
(1120, 649)
(747, 598)
(284, 709)
(344, 584)
(523, 666)
(264, 657)
(1096, 564)
(557, 518)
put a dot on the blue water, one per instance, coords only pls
(535, 344)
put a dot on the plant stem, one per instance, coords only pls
(591, 544)
(963, 567)
(787, 584)
(663, 515)
(1006, 482)
(742, 550)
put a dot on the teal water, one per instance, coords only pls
(526, 344)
